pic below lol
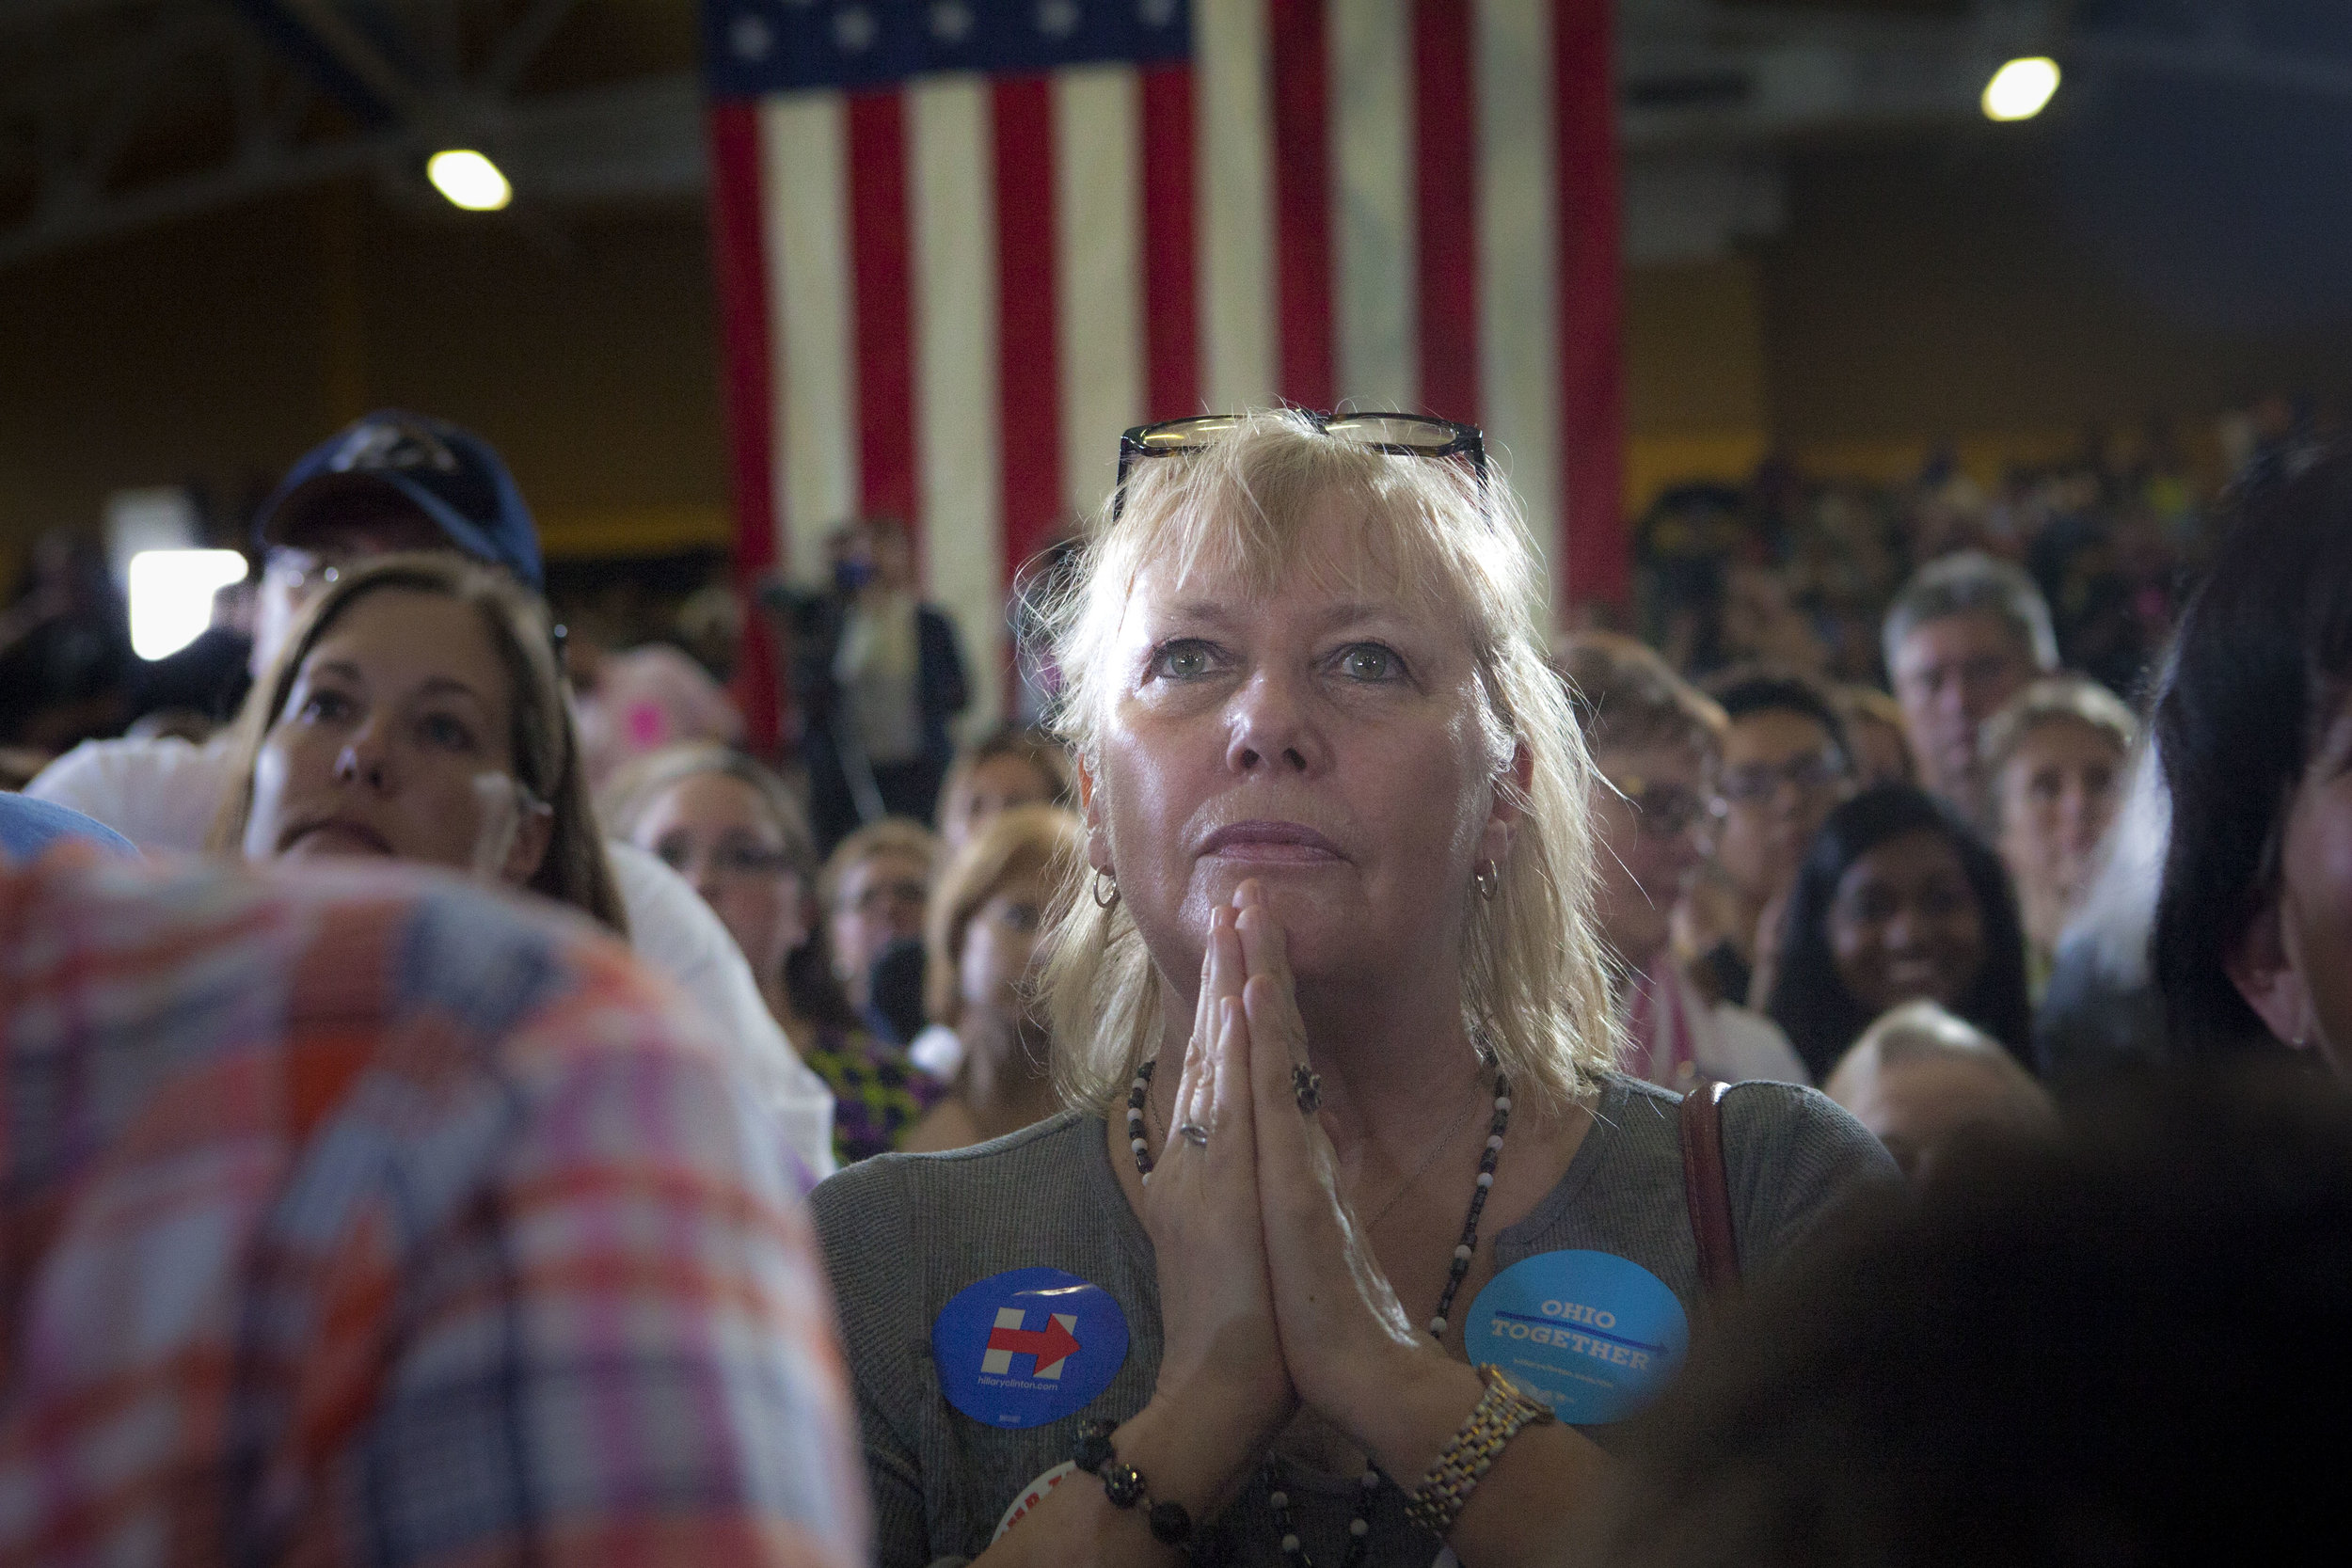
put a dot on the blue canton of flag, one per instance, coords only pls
(767, 46)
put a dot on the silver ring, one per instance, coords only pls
(1193, 1133)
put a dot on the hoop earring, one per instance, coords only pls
(1103, 878)
(1488, 880)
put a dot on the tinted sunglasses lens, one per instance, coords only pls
(1395, 429)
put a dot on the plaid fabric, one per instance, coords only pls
(362, 1218)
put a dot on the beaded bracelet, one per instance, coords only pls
(1170, 1523)
(1502, 1411)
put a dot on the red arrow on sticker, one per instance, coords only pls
(1051, 1345)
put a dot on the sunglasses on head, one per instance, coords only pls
(1398, 434)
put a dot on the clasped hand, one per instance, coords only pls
(1269, 1292)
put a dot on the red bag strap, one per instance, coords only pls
(1707, 1188)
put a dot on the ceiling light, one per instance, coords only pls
(2021, 89)
(469, 180)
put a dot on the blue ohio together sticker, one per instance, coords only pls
(1592, 1335)
(1027, 1346)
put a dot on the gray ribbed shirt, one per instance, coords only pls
(903, 1234)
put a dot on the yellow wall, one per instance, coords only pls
(1695, 376)
(214, 350)
(1924, 289)
(1924, 294)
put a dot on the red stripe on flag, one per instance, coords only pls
(880, 265)
(1592, 410)
(1028, 350)
(739, 257)
(1171, 309)
(1302, 201)
(1445, 179)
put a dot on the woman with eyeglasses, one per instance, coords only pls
(733, 830)
(1654, 740)
(1786, 762)
(1898, 901)
(1335, 1024)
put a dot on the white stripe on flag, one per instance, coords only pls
(1234, 132)
(1518, 262)
(1372, 161)
(952, 195)
(806, 168)
(1098, 273)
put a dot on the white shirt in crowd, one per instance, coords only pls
(1675, 1038)
(161, 795)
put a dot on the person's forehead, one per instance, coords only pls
(1961, 634)
(1906, 858)
(404, 637)
(1772, 733)
(1943, 1087)
(1340, 559)
(2063, 737)
(713, 799)
(887, 865)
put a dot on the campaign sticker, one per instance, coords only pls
(1592, 1335)
(1027, 1346)
(1033, 1494)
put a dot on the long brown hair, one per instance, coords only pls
(545, 748)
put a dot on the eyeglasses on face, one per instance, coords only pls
(886, 895)
(1398, 434)
(307, 571)
(1760, 781)
(735, 860)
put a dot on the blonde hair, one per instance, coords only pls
(1024, 841)
(1534, 983)
(545, 748)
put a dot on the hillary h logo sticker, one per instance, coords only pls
(1050, 1346)
(1592, 1335)
(1028, 1346)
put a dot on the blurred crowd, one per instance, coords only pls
(1860, 751)
(1837, 711)
(1873, 804)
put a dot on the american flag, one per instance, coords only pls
(963, 243)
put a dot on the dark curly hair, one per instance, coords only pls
(1812, 1005)
(2264, 651)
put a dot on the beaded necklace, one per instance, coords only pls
(1360, 1527)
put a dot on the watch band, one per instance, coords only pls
(1502, 1411)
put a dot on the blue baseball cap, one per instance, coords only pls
(453, 476)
